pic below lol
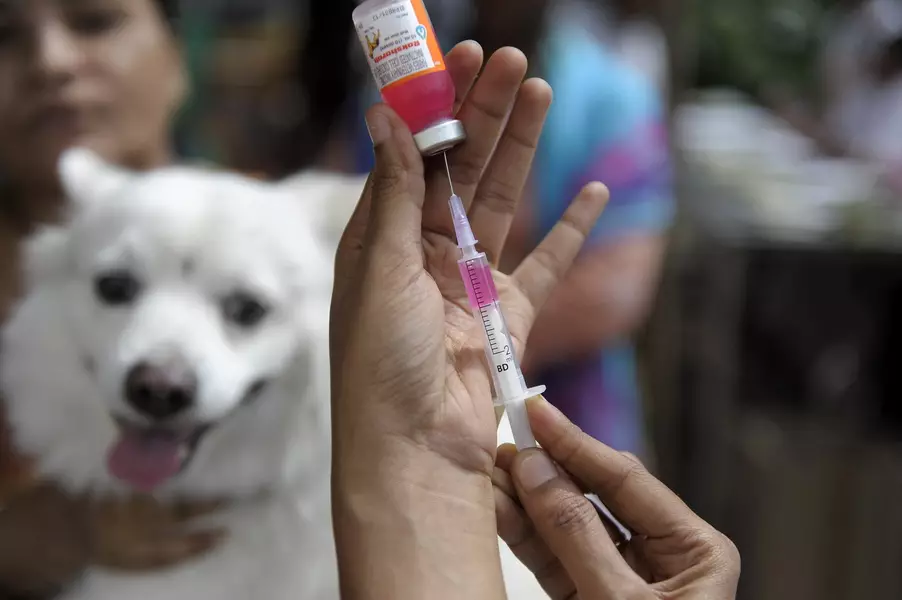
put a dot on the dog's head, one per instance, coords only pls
(168, 332)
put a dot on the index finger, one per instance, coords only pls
(634, 495)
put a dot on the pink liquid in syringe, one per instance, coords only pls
(479, 283)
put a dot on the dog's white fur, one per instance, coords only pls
(191, 237)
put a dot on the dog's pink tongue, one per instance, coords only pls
(145, 460)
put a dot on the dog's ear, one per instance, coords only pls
(45, 255)
(87, 178)
(328, 200)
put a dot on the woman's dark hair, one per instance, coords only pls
(323, 72)
(327, 78)
(890, 60)
(168, 8)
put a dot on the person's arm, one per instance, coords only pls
(606, 297)
(414, 437)
(404, 528)
(48, 538)
(607, 294)
(44, 545)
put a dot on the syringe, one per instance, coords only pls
(510, 386)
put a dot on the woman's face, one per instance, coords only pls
(101, 73)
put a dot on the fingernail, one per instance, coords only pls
(535, 470)
(540, 404)
(536, 401)
(378, 127)
(596, 188)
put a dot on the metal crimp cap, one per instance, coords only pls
(440, 137)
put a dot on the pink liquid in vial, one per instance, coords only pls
(409, 68)
(422, 101)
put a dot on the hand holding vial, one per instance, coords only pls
(409, 373)
(406, 207)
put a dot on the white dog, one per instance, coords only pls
(173, 339)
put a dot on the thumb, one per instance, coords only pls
(570, 526)
(398, 186)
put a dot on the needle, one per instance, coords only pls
(448, 169)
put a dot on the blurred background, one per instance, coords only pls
(749, 334)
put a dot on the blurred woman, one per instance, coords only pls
(106, 74)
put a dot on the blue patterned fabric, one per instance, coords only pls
(606, 124)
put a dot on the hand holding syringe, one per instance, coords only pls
(510, 386)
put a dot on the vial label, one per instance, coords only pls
(399, 42)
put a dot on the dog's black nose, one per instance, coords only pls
(160, 392)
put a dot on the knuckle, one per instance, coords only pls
(500, 197)
(570, 443)
(520, 141)
(548, 266)
(572, 515)
(637, 592)
(490, 110)
(468, 170)
(718, 550)
(631, 472)
(633, 457)
(730, 554)
(548, 569)
(576, 223)
(390, 177)
(523, 542)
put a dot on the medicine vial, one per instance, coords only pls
(409, 68)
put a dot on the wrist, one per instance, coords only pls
(367, 435)
(393, 471)
(409, 523)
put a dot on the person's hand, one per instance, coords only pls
(47, 538)
(556, 532)
(408, 362)
(414, 433)
(141, 534)
(44, 542)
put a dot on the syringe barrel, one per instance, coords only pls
(499, 349)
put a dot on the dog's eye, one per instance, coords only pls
(244, 310)
(117, 288)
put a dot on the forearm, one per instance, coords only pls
(42, 548)
(22, 579)
(408, 527)
(571, 327)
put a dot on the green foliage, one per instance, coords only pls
(750, 43)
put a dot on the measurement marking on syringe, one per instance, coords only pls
(484, 297)
(474, 282)
(490, 331)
